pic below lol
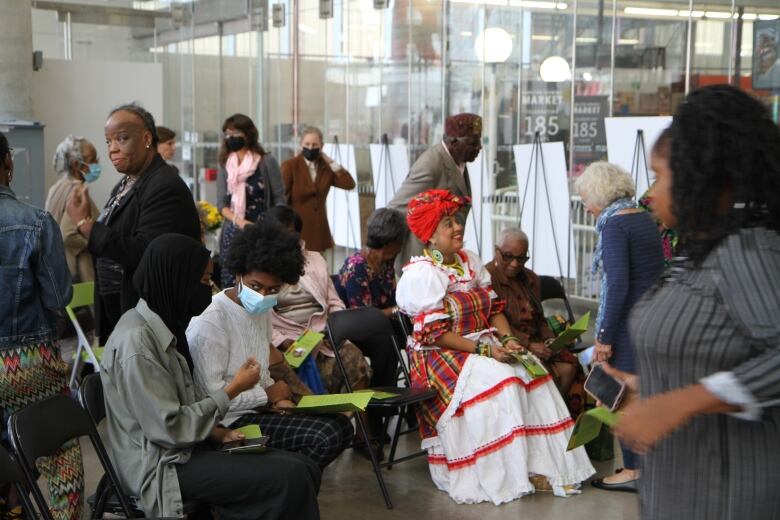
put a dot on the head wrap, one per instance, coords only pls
(463, 125)
(68, 150)
(426, 210)
(168, 279)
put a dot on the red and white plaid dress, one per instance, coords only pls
(491, 425)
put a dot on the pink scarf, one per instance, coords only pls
(237, 174)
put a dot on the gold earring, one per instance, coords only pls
(147, 146)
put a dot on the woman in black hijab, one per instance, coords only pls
(158, 427)
(174, 282)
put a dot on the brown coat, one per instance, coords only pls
(308, 198)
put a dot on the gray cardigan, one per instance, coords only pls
(272, 177)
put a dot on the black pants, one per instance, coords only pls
(268, 486)
(379, 349)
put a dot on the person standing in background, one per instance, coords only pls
(167, 145)
(630, 259)
(76, 162)
(308, 177)
(442, 166)
(149, 200)
(248, 183)
(36, 283)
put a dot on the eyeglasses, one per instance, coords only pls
(508, 257)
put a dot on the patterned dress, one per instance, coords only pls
(359, 286)
(491, 425)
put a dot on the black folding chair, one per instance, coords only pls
(106, 496)
(356, 325)
(40, 429)
(11, 473)
(552, 289)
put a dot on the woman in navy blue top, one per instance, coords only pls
(629, 255)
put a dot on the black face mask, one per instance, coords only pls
(200, 300)
(311, 154)
(235, 143)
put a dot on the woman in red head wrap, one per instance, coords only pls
(491, 416)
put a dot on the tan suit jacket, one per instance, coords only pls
(434, 169)
(308, 198)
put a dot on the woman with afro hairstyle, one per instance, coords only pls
(707, 338)
(263, 257)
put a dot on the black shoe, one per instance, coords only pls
(361, 448)
(626, 487)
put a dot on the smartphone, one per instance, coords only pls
(256, 445)
(605, 388)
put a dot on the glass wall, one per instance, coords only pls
(552, 68)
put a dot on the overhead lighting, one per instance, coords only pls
(586, 39)
(768, 16)
(749, 16)
(494, 45)
(555, 69)
(543, 37)
(628, 41)
(717, 14)
(533, 4)
(647, 11)
(694, 14)
(562, 6)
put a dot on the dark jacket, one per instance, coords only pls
(273, 191)
(159, 202)
(34, 275)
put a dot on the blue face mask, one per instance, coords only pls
(93, 173)
(254, 302)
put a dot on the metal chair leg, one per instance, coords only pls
(374, 460)
(396, 435)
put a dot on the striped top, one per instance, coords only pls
(718, 324)
(633, 261)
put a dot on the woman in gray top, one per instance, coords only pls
(162, 437)
(708, 338)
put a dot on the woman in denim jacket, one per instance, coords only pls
(34, 282)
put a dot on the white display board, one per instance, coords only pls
(622, 145)
(389, 167)
(75, 97)
(479, 227)
(343, 206)
(546, 208)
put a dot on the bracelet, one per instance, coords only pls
(484, 349)
(548, 342)
(507, 338)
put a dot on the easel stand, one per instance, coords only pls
(385, 176)
(537, 168)
(639, 162)
(350, 229)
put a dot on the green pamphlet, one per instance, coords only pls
(378, 394)
(300, 349)
(589, 425)
(530, 364)
(330, 403)
(250, 431)
(571, 333)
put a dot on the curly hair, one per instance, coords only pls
(266, 247)
(144, 115)
(725, 151)
(245, 125)
(385, 226)
(603, 183)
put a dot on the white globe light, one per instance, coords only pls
(493, 46)
(555, 69)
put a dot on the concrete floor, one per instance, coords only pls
(350, 491)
